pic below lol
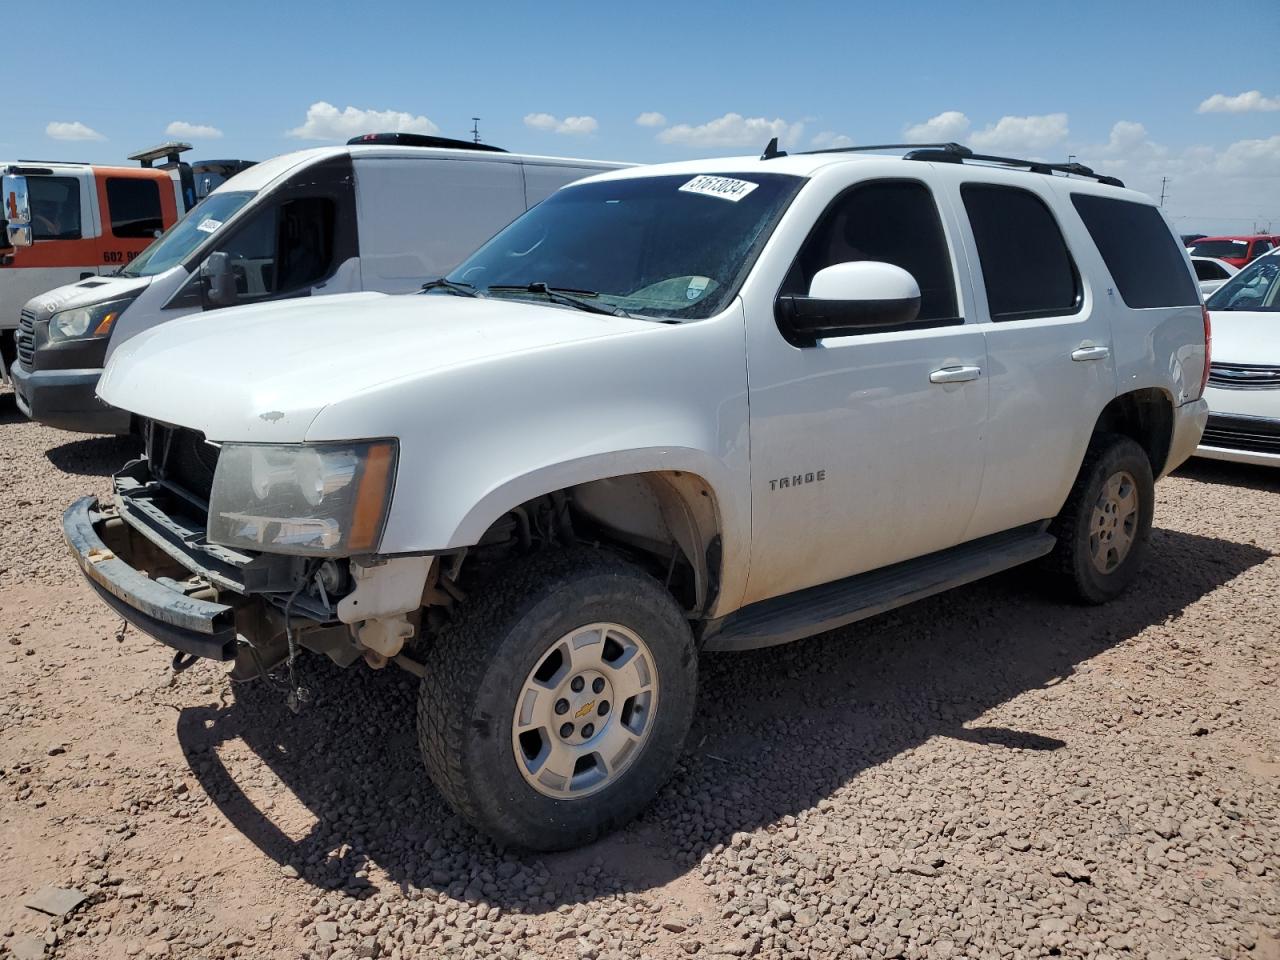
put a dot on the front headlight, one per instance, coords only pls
(94, 321)
(326, 499)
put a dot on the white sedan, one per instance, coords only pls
(1211, 273)
(1244, 377)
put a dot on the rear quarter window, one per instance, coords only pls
(1139, 250)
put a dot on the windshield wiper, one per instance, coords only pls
(567, 296)
(458, 289)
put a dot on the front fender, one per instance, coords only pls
(481, 438)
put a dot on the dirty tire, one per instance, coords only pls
(475, 672)
(1072, 559)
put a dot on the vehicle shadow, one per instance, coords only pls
(1225, 473)
(93, 456)
(847, 701)
(9, 412)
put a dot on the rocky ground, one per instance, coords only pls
(991, 773)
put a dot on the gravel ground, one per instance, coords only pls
(990, 773)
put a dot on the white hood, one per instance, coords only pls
(263, 373)
(1246, 336)
(85, 293)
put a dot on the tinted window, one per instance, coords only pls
(1220, 248)
(1140, 251)
(135, 207)
(891, 221)
(1026, 266)
(55, 207)
(1207, 270)
(282, 249)
(1261, 247)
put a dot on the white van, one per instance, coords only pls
(385, 213)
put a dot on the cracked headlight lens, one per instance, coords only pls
(327, 499)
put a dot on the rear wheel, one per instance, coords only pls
(554, 706)
(1105, 525)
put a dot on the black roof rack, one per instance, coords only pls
(957, 153)
(420, 140)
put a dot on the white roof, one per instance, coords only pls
(809, 165)
(261, 175)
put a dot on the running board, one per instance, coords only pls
(831, 605)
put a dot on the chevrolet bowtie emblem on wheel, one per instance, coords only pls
(584, 710)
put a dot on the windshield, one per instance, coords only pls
(1253, 288)
(1221, 248)
(672, 246)
(175, 244)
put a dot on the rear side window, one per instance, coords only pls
(135, 208)
(1140, 251)
(55, 207)
(1207, 270)
(1026, 266)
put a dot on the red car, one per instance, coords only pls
(1236, 251)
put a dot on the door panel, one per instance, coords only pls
(866, 449)
(1051, 365)
(888, 463)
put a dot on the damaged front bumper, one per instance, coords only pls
(146, 554)
(159, 608)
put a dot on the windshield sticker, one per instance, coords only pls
(696, 288)
(726, 188)
(208, 225)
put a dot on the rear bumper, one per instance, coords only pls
(66, 399)
(196, 627)
(1188, 425)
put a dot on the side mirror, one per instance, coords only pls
(218, 281)
(19, 234)
(850, 298)
(17, 210)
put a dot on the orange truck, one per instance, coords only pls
(64, 222)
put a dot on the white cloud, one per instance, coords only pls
(651, 119)
(1022, 134)
(1251, 158)
(195, 131)
(71, 130)
(1210, 189)
(733, 130)
(830, 140)
(545, 121)
(326, 122)
(946, 127)
(540, 121)
(1251, 101)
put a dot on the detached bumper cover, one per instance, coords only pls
(196, 627)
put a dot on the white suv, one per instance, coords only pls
(713, 405)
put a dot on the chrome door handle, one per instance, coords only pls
(1091, 353)
(955, 374)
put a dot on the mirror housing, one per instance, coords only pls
(845, 299)
(17, 210)
(217, 280)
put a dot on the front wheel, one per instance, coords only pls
(1105, 524)
(554, 706)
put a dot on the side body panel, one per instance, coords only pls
(890, 464)
(1043, 403)
(420, 218)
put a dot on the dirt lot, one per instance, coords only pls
(987, 774)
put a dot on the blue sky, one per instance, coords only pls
(572, 78)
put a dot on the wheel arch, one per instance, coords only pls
(655, 504)
(1146, 416)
